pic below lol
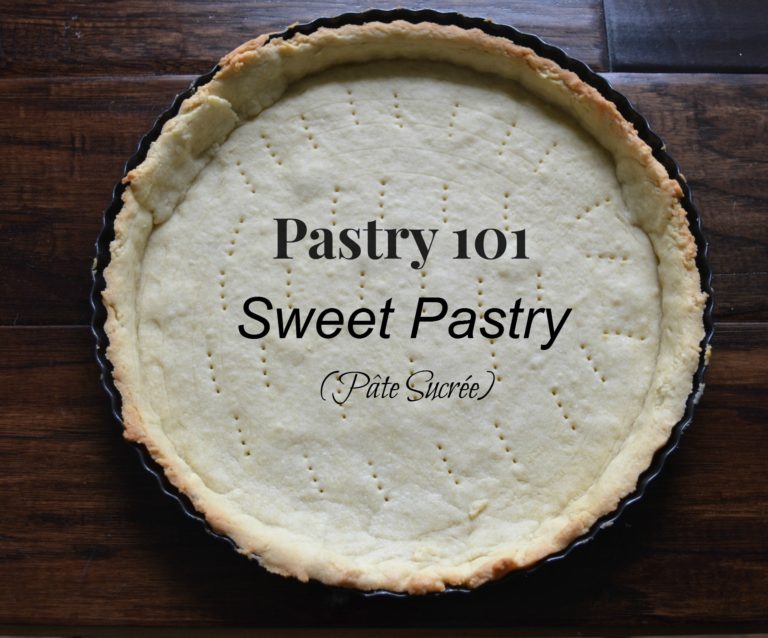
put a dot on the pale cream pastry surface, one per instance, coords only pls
(413, 126)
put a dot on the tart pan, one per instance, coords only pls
(541, 48)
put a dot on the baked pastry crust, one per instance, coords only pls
(252, 79)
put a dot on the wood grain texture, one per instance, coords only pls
(695, 35)
(87, 538)
(65, 141)
(149, 37)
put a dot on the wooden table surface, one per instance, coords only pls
(86, 537)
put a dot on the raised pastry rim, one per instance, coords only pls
(132, 418)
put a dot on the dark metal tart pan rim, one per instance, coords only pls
(518, 37)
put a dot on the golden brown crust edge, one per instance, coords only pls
(148, 201)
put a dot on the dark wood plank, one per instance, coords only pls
(64, 141)
(41, 38)
(87, 538)
(62, 148)
(695, 35)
